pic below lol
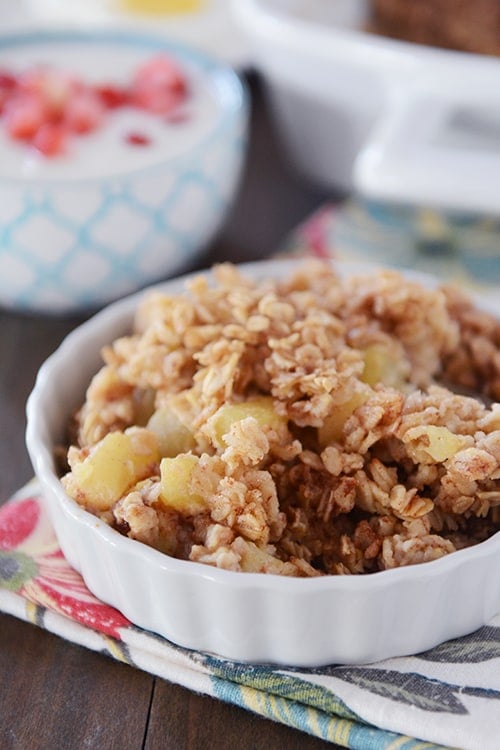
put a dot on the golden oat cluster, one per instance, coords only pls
(298, 426)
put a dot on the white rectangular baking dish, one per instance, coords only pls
(395, 121)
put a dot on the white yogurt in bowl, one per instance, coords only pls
(108, 215)
(114, 64)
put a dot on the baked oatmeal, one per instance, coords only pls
(451, 24)
(303, 426)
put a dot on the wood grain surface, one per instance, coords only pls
(55, 695)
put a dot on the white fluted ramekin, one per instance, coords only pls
(245, 616)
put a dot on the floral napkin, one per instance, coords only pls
(447, 697)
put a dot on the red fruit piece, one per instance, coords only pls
(8, 81)
(24, 114)
(137, 139)
(158, 85)
(51, 87)
(112, 97)
(84, 112)
(57, 90)
(50, 139)
(31, 80)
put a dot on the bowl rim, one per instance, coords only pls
(230, 93)
(119, 314)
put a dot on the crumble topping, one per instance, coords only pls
(305, 426)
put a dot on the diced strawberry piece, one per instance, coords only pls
(84, 112)
(138, 139)
(57, 90)
(8, 81)
(50, 139)
(112, 97)
(31, 80)
(158, 86)
(161, 71)
(157, 101)
(4, 98)
(24, 115)
(52, 87)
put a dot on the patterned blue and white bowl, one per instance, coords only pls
(78, 233)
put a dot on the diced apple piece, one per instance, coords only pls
(261, 409)
(431, 443)
(173, 436)
(144, 400)
(175, 493)
(253, 559)
(114, 465)
(382, 367)
(331, 429)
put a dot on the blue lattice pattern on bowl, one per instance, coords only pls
(78, 244)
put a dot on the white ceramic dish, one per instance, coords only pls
(245, 616)
(396, 121)
(106, 219)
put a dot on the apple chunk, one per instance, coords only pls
(175, 478)
(332, 429)
(261, 409)
(114, 465)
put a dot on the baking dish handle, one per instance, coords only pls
(435, 152)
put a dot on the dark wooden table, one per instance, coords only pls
(57, 695)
